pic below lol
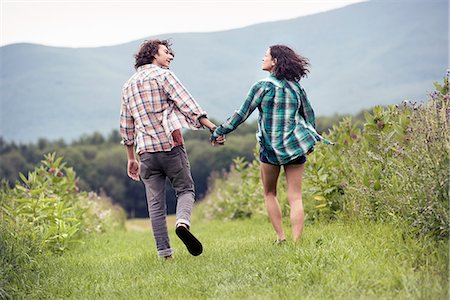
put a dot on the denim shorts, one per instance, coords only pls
(297, 161)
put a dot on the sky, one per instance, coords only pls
(93, 23)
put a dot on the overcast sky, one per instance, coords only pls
(86, 23)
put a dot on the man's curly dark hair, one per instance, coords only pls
(289, 65)
(148, 50)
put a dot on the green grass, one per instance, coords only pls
(339, 261)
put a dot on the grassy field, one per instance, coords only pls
(240, 261)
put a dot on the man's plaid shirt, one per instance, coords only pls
(286, 124)
(154, 104)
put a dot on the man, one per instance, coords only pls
(155, 106)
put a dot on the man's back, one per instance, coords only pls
(155, 104)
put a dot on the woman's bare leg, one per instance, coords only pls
(294, 175)
(269, 177)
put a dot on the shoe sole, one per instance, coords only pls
(192, 244)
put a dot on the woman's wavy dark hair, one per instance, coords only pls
(289, 64)
(148, 50)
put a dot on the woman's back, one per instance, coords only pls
(286, 121)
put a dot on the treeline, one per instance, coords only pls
(100, 161)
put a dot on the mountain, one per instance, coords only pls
(376, 52)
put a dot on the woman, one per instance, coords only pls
(285, 133)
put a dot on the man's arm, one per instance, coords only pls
(183, 99)
(207, 123)
(211, 126)
(187, 104)
(126, 124)
(127, 133)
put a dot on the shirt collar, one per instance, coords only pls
(146, 67)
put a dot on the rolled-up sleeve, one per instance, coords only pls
(183, 99)
(126, 124)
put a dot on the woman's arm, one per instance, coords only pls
(252, 101)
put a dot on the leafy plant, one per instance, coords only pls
(47, 201)
(239, 194)
(393, 168)
(46, 213)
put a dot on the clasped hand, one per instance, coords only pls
(218, 141)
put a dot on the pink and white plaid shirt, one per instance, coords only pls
(154, 104)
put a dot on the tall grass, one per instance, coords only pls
(240, 261)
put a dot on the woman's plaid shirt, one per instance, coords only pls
(154, 104)
(286, 124)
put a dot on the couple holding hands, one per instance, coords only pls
(155, 106)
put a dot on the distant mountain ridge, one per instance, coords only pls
(376, 52)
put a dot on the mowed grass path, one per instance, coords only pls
(240, 261)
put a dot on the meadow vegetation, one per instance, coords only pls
(240, 261)
(46, 214)
(100, 161)
(393, 168)
(377, 224)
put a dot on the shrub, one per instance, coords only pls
(237, 195)
(100, 214)
(393, 169)
(46, 213)
(20, 254)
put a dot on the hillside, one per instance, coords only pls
(364, 54)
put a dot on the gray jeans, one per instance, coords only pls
(155, 168)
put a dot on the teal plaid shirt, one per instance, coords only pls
(286, 123)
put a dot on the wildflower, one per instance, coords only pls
(103, 214)
(434, 95)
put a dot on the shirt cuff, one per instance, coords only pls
(202, 115)
(216, 133)
(127, 142)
